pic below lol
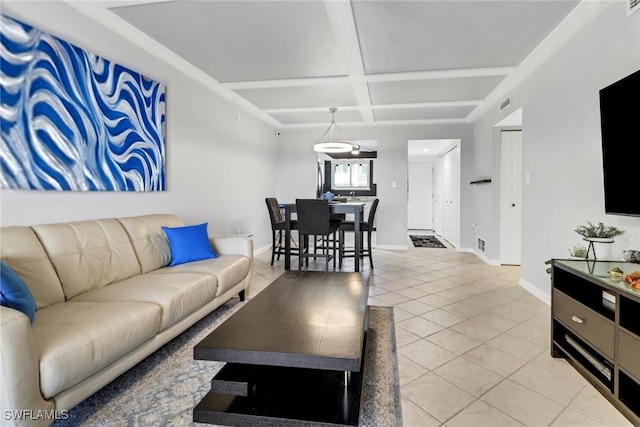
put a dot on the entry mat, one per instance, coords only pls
(426, 242)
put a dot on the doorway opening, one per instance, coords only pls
(433, 188)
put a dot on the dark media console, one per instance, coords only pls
(595, 324)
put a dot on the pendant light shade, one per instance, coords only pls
(330, 143)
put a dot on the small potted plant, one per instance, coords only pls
(600, 236)
(578, 252)
(549, 263)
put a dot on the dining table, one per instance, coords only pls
(355, 208)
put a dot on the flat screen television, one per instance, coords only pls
(620, 123)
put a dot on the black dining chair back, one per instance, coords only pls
(275, 214)
(365, 227)
(313, 216)
(277, 228)
(314, 219)
(372, 212)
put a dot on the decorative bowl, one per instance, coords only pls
(631, 255)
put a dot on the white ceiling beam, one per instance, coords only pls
(428, 104)
(310, 109)
(440, 74)
(121, 3)
(378, 123)
(376, 107)
(310, 81)
(344, 27)
(371, 78)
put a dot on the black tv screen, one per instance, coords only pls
(620, 123)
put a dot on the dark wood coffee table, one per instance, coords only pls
(294, 354)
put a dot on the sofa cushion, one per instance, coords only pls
(77, 339)
(88, 254)
(189, 243)
(178, 294)
(229, 270)
(22, 251)
(148, 240)
(14, 293)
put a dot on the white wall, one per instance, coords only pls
(218, 169)
(561, 144)
(486, 163)
(424, 159)
(297, 173)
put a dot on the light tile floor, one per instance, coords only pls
(473, 346)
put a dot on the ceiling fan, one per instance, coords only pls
(361, 149)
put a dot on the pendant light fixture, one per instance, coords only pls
(329, 143)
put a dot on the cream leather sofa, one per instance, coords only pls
(105, 300)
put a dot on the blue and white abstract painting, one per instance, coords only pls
(73, 121)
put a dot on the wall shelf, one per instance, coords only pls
(481, 181)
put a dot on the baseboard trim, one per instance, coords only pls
(261, 250)
(536, 291)
(480, 255)
(392, 247)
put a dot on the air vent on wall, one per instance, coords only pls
(480, 245)
(632, 6)
(507, 101)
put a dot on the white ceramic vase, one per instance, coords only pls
(601, 248)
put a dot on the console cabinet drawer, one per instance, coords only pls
(629, 352)
(585, 322)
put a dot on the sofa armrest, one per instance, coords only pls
(234, 245)
(19, 372)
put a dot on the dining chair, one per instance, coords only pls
(314, 219)
(336, 218)
(277, 228)
(365, 227)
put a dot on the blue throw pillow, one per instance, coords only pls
(190, 243)
(14, 293)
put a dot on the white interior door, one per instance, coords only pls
(510, 197)
(420, 196)
(451, 217)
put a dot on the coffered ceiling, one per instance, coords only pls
(379, 62)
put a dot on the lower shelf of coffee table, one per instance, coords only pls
(270, 395)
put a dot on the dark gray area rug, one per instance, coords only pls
(426, 242)
(163, 389)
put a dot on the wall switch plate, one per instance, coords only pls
(393, 184)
